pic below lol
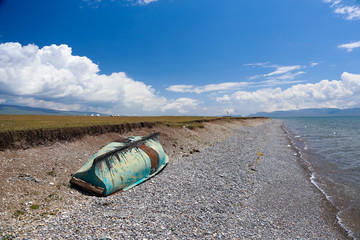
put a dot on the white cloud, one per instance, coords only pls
(350, 12)
(145, 2)
(264, 64)
(182, 105)
(52, 75)
(286, 76)
(337, 93)
(181, 88)
(282, 70)
(207, 88)
(229, 111)
(281, 74)
(333, 2)
(275, 82)
(313, 64)
(32, 102)
(224, 99)
(97, 3)
(350, 46)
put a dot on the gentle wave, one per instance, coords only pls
(301, 146)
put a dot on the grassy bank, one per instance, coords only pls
(25, 131)
(32, 122)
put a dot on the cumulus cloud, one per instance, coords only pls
(337, 94)
(348, 11)
(32, 102)
(350, 46)
(224, 99)
(182, 105)
(52, 75)
(207, 88)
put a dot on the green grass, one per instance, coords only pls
(17, 213)
(32, 122)
(34, 207)
(8, 237)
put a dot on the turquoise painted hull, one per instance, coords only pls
(121, 165)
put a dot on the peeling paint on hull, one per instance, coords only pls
(121, 165)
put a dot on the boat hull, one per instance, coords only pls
(121, 165)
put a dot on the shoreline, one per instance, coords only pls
(243, 183)
(309, 173)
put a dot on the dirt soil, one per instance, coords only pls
(35, 181)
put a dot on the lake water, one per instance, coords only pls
(331, 147)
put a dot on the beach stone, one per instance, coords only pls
(221, 192)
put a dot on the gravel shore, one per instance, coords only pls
(248, 186)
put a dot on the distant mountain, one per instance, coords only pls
(311, 112)
(22, 110)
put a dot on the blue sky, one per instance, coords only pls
(180, 57)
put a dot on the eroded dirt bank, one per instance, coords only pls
(31, 138)
(35, 181)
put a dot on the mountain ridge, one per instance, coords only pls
(312, 112)
(24, 110)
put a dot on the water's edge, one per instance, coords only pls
(309, 171)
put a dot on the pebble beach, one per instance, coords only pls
(250, 185)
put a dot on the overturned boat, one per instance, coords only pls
(121, 165)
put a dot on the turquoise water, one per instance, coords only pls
(331, 147)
